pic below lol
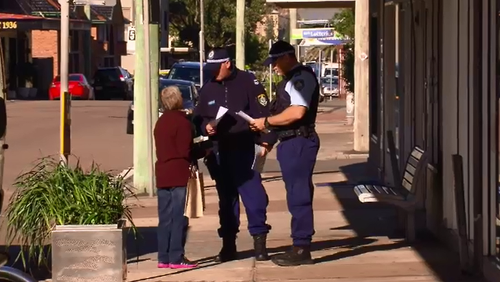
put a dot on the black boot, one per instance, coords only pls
(296, 256)
(259, 245)
(228, 251)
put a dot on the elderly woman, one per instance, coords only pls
(173, 138)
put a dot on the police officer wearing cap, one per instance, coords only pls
(236, 90)
(293, 117)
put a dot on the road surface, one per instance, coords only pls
(98, 134)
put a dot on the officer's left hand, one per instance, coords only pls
(258, 124)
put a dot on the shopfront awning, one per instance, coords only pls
(14, 22)
(290, 4)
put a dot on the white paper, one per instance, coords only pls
(200, 139)
(246, 117)
(249, 119)
(220, 114)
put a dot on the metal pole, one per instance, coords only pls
(271, 96)
(141, 85)
(65, 130)
(240, 34)
(202, 40)
(148, 97)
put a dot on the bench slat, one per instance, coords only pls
(376, 193)
(411, 169)
(412, 161)
(407, 185)
(417, 153)
(408, 177)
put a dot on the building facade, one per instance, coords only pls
(434, 72)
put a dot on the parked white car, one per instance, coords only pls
(330, 86)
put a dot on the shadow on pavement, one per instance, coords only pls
(380, 220)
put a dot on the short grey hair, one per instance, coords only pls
(171, 98)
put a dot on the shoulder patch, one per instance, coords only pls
(299, 84)
(262, 99)
(256, 82)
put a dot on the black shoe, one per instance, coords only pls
(296, 256)
(228, 251)
(259, 245)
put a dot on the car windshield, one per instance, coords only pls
(331, 71)
(189, 74)
(185, 89)
(330, 80)
(72, 77)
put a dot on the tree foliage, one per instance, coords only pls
(344, 23)
(220, 23)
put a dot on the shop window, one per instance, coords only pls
(103, 33)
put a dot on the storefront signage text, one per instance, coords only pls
(8, 25)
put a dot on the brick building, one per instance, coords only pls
(31, 43)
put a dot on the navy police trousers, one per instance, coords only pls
(237, 178)
(297, 157)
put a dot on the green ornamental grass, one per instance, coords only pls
(54, 194)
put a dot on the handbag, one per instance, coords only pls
(195, 198)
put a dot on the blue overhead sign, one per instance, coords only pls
(317, 33)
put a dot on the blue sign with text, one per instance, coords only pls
(317, 33)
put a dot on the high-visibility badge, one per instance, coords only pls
(262, 99)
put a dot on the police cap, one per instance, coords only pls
(216, 57)
(278, 49)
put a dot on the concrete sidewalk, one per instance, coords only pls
(353, 242)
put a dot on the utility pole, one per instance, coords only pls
(88, 42)
(142, 102)
(361, 76)
(240, 34)
(154, 59)
(293, 25)
(65, 125)
(202, 40)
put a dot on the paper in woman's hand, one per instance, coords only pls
(220, 114)
(200, 139)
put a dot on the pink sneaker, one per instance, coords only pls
(185, 263)
(163, 265)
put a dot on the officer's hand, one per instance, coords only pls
(265, 149)
(210, 129)
(258, 124)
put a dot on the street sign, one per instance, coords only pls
(110, 3)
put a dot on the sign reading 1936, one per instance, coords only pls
(8, 25)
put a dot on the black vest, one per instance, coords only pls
(282, 101)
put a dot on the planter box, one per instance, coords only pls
(89, 253)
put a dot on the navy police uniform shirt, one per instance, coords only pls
(241, 91)
(299, 87)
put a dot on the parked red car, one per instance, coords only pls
(78, 87)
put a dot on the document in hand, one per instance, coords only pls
(200, 139)
(220, 114)
(249, 119)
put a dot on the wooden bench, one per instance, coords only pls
(404, 196)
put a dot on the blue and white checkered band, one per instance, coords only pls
(281, 54)
(215, 61)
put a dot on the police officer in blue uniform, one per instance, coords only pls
(236, 90)
(293, 117)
